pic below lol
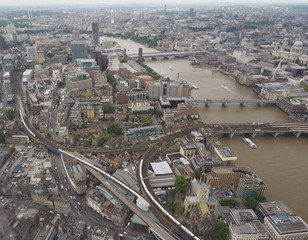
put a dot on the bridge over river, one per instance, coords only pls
(254, 129)
(165, 55)
(242, 102)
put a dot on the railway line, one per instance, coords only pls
(162, 214)
(164, 217)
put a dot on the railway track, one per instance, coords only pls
(147, 157)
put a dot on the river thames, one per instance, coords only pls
(281, 162)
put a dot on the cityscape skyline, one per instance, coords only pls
(144, 120)
(147, 2)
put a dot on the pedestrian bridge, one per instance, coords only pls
(242, 102)
(254, 129)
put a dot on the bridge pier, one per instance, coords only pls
(297, 134)
(275, 134)
(243, 104)
(253, 135)
(260, 104)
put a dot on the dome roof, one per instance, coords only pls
(298, 44)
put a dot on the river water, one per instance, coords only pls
(281, 162)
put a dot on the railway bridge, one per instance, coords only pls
(165, 55)
(254, 128)
(242, 102)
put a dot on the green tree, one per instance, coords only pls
(197, 174)
(10, 113)
(180, 183)
(174, 206)
(261, 198)
(76, 137)
(220, 231)
(163, 124)
(252, 203)
(111, 79)
(103, 140)
(2, 137)
(111, 119)
(114, 129)
(108, 108)
(146, 121)
(90, 141)
(12, 150)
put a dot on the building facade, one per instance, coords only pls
(132, 133)
(280, 221)
(95, 33)
(78, 49)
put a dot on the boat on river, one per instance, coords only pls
(249, 142)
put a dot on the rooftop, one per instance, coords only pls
(161, 168)
(281, 217)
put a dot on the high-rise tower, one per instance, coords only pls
(95, 33)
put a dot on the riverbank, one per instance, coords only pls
(280, 162)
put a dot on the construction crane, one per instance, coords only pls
(240, 35)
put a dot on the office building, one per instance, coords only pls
(11, 29)
(280, 222)
(75, 36)
(78, 49)
(31, 52)
(8, 62)
(249, 188)
(191, 12)
(78, 79)
(168, 89)
(87, 64)
(231, 177)
(95, 33)
(2, 43)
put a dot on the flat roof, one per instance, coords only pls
(161, 168)
(282, 218)
(175, 156)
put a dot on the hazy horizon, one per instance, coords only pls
(171, 3)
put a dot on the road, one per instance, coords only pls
(163, 141)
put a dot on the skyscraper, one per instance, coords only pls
(78, 49)
(95, 33)
(191, 12)
(2, 43)
(75, 36)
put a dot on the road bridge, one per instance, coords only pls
(166, 55)
(255, 129)
(242, 102)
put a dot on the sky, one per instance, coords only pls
(143, 2)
